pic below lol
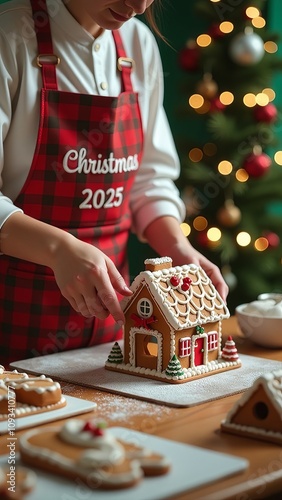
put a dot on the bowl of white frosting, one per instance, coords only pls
(261, 320)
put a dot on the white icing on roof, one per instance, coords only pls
(158, 260)
(272, 383)
(200, 304)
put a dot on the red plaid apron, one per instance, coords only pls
(87, 154)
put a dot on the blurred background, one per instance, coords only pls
(223, 75)
(223, 79)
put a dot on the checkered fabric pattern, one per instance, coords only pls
(87, 154)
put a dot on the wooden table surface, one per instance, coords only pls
(197, 426)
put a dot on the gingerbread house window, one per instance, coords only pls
(145, 308)
(184, 347)
(212, 341)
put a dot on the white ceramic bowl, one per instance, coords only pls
(263, 330)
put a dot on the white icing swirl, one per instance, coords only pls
(103, 450)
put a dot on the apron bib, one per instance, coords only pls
(87, 154)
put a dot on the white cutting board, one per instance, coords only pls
(86, 367)
(74, 406)
(192, 467)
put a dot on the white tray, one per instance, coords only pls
(192, 467)
(74, 406)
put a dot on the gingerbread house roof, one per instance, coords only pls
(185, 294)
(272, 384)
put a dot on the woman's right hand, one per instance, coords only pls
(88, 279)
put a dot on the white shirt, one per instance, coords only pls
(88, 66)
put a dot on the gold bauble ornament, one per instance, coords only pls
(229, 215)
(207, 87)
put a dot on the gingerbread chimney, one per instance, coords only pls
(158, 264)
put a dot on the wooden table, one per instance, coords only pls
(198, 426)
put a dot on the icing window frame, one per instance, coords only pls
(145, 308)
(184, 347)
(212, 341)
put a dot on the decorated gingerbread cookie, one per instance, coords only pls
(16, 483)
(88, 451)
(28, 395)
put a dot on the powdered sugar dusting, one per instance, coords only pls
(125, 410)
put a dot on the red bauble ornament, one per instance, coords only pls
(256, 165)
(216, 105)
(202, 239)
(189, 57)
(267, 114)
(215, 32)
(273, 239)
(174, 280)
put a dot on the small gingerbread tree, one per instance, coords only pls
(229, 351)
(174, 368)
(115, 355)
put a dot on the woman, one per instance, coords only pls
(86, 156)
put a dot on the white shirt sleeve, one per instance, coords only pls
(8, 82)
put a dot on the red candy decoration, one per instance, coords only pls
(87, 427)
(174, 280)
(95, 431)
(187, 280)
(185, 286)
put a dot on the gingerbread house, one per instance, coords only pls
(258, 413)
(173, 325)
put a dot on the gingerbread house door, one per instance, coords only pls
(199, 350)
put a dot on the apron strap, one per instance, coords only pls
(46, 58)
(48, 61)
(125, 64)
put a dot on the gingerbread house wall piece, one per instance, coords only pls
(173, 311)
(258, 413)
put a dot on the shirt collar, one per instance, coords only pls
(59, 14)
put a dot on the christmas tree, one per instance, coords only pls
(231, 177)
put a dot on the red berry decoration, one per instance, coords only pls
(98, 432)
(87, 427)
(174, 280)
(266, 114)
(186, 284)
(257, 165)
(187, 280)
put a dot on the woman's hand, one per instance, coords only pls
(89, 280)
(166, 238)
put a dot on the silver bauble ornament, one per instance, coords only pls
(246, 48)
